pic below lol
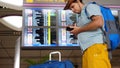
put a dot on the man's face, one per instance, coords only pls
(75, 7)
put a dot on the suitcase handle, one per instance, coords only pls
(55, 52)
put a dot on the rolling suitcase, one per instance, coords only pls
(54, 63)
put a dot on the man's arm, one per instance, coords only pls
(97, 22)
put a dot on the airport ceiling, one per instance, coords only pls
(4, 30)
(8, 12)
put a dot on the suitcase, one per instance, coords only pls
(54, 63)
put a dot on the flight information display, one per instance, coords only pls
(45, 27)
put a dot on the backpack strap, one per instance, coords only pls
(86, 8)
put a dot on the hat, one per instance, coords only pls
(68, 3)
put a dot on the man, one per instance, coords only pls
(89, 33)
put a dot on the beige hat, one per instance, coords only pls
(68, 3)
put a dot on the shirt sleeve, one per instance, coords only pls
(93, 9)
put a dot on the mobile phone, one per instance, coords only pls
(69, 29)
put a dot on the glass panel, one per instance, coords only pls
(67, 39)
(66, 18)
(40, 37)
(40, 17)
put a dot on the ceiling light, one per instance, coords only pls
(13, 4)
(13, 22)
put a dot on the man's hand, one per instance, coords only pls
(75, 31)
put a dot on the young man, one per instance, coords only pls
(89, 33)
